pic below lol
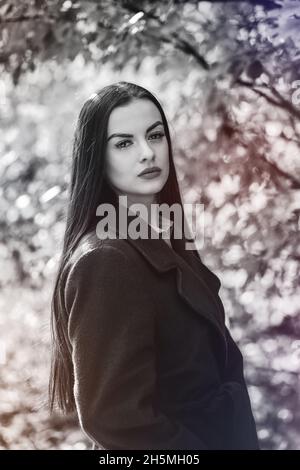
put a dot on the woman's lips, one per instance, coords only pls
(150, 175)
(149, 169)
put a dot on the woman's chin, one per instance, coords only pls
(150, 187)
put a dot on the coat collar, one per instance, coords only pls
(196, 284)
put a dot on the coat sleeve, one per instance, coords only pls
(112, 334)
(235, 365)
(245, 423)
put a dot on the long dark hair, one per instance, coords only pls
(88, 189)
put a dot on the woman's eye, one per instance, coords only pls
(124, 143)
(121, 145)
(157, 135)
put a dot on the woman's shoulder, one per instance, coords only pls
(93, 262)
(94, 255)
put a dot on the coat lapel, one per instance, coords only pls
(190, 282)
(195, 283)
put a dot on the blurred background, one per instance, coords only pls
(228, 76)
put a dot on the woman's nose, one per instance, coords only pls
(146, 152)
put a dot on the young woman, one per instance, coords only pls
(140, 346)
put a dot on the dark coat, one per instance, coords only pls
(155, 366)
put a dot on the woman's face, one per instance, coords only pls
(137, 141)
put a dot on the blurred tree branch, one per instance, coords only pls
(161, 23)
(280, 102)
(179, 42)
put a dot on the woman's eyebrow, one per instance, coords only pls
(157, 123)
